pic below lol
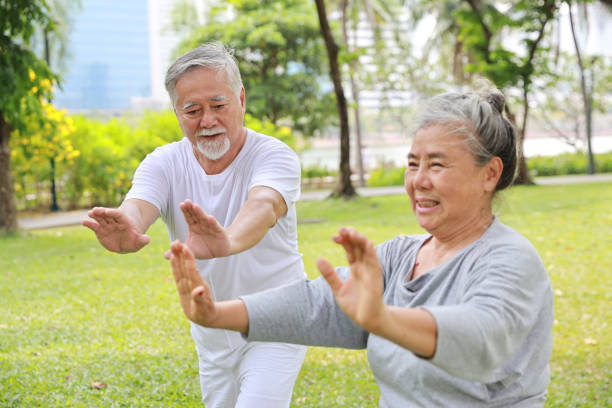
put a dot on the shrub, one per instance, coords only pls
(108, 154)
(567, 164)
(387, 176)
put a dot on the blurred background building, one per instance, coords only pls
(118, 54)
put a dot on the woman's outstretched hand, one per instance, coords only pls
(360, 296)
(194, 293)
(196, 299)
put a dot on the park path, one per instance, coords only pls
(67, 218)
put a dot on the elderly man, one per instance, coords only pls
(229, 193)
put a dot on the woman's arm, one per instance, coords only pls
(196, 299)
(361, 298)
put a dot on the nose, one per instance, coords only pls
(208, 120)
(417, 178)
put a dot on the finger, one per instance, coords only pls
(98, 214)
(201, 294)
(329, 274)
(95, 211)
(359, 242)
(190, 267)
(92, 225)
(116, 216)
(344, 238)
(143, 240)
(186, 207)
(199, 214)
(177, 265)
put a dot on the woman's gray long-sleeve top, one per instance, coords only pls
(493, 306)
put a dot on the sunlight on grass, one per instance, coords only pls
(74, 314)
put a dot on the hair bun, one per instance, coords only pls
(496, 100)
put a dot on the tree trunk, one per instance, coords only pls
(522, 175)
(359, 147)
(8, 209)
(54, 206)
(344, 188)
(586, 95)
(354, 92)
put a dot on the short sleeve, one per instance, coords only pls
(150, 182)
(278, 167)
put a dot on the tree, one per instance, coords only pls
(560, 107)
(40, 145)
(21, 74)
(353, 12)
(482, 28)
(585, 91)
(344, 188)
(280, 53)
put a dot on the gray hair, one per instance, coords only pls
(213, 55)
(478, 117)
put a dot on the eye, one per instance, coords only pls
(218, 107)
(192, 112)
(413, 164)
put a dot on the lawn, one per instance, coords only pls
(80, 327)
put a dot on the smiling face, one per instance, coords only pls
(210, 116)
(450, 195)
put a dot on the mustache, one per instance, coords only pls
(210, 132)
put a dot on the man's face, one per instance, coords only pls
(210, 116)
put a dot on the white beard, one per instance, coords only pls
(212, 149)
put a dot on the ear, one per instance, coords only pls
(492, 172)
(242, 100)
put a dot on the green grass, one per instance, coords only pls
(72, 314)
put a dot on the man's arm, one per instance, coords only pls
(208, 239)
(122, 229)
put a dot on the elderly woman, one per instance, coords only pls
(458, 317)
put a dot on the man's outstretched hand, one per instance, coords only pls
(115, 230)
(206, 238)
(194, 293)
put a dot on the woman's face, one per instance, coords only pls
(449, 193)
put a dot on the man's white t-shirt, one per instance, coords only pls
(171, 174)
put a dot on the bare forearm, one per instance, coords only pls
(140, 212)
(413, 329)
(258, 214)
(230, 315)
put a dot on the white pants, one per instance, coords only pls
(255, 375)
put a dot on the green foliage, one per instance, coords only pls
(282, 133)
(22, 73)
(559, 102)
(387, 176)
(482, 29)
(281, 57)
(99, 157)
(539, 166)
(568, 163)
(317, 171)
(74, 313)
(104, 168)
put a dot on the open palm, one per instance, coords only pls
(194, 293)
(206, 238)
(359, 296)
(115, 230)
